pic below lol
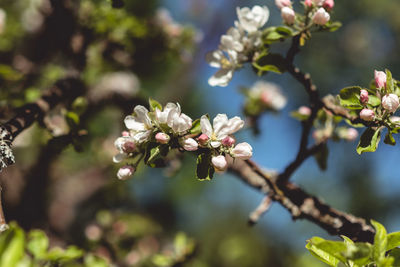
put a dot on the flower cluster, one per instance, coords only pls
(238, 44)
(152, 134)
(318, 9)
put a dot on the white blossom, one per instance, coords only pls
(252, 19)
(125, 172)
(288, 15)
(139, 124)
(321, 17)
(242, 151)
(189, 144)
(222, 127)
(390, 102)
(226, 62)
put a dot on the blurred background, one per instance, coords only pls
(156, 48)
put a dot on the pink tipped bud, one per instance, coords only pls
(242, 151)
(329, 4)
(380, 79)
(351, 134)
(390, 102)
(125, 172)
(305, 111)
(228, 141)
(282, 3)
(288, 15)
(125, 133)
(162, 138)
(129, 147)
(203, 138)
(308, 3)
(367, 114)
(364, 96)
(219, 163)
(321, 17)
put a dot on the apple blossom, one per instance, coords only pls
(270, 95)
(288, 15)
(252, 19)
(283, 3)
(125, 145)
(351, 134)
(227, 64)
(189, 144)
(390, 102)
(242, 151)
(364, 96)
(162, 138)
(367, 114)
(219, 163)
(222, 127)
(172, 116)
(232, 40)
(125, 172)
(140, 124)
(321, 17)
(380, 79)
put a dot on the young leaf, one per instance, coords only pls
(389, 139)
(395, 253)
(393, 240)
(369, 140)
(14, 250)
(37, 244)
(389, 82)
(321, 254)
(270, 62)
(154, 104)
(205, 170)
(349, 97)
(380, 241)
(322, 157)
(196, 128)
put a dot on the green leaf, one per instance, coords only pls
(95, 261)
(393, 240)
(79, 105)
(14, 250)
(373, 100)
(359, 253)
(154, 104)
(154, 154)
(332, 26)
(395, 254)
(58, 254)
(347, 240)
(204, 170)
(37, 244)
(196, 127)
(369, 140)
(389, 139)
(322, 157)
(270, 62)
(380, 241)
(349, 97)
(72, 119)
(389, 82)
(273, 34)
(321, 254)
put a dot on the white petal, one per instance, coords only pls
(219, 123)
(235, 124)
(119, 157)
(132, 124)
(214, 58)
(141, 137)
(206, 127)
(221, 78)
(142, 115)
(215, 144)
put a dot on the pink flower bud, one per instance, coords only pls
(162, 138)
(189, 144)
(390, 102)
(282, 3)
(367, 114)
(125, 172)
(219, 163)
(364, 96)
(380, 79)
(129, 147)
(305, 111)
(125, 133)
(203, 138)
(308, 3)
(242, 151)
(288, 15)
(228, 141)
(329, 4)
(321, 17)
(351, 134)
